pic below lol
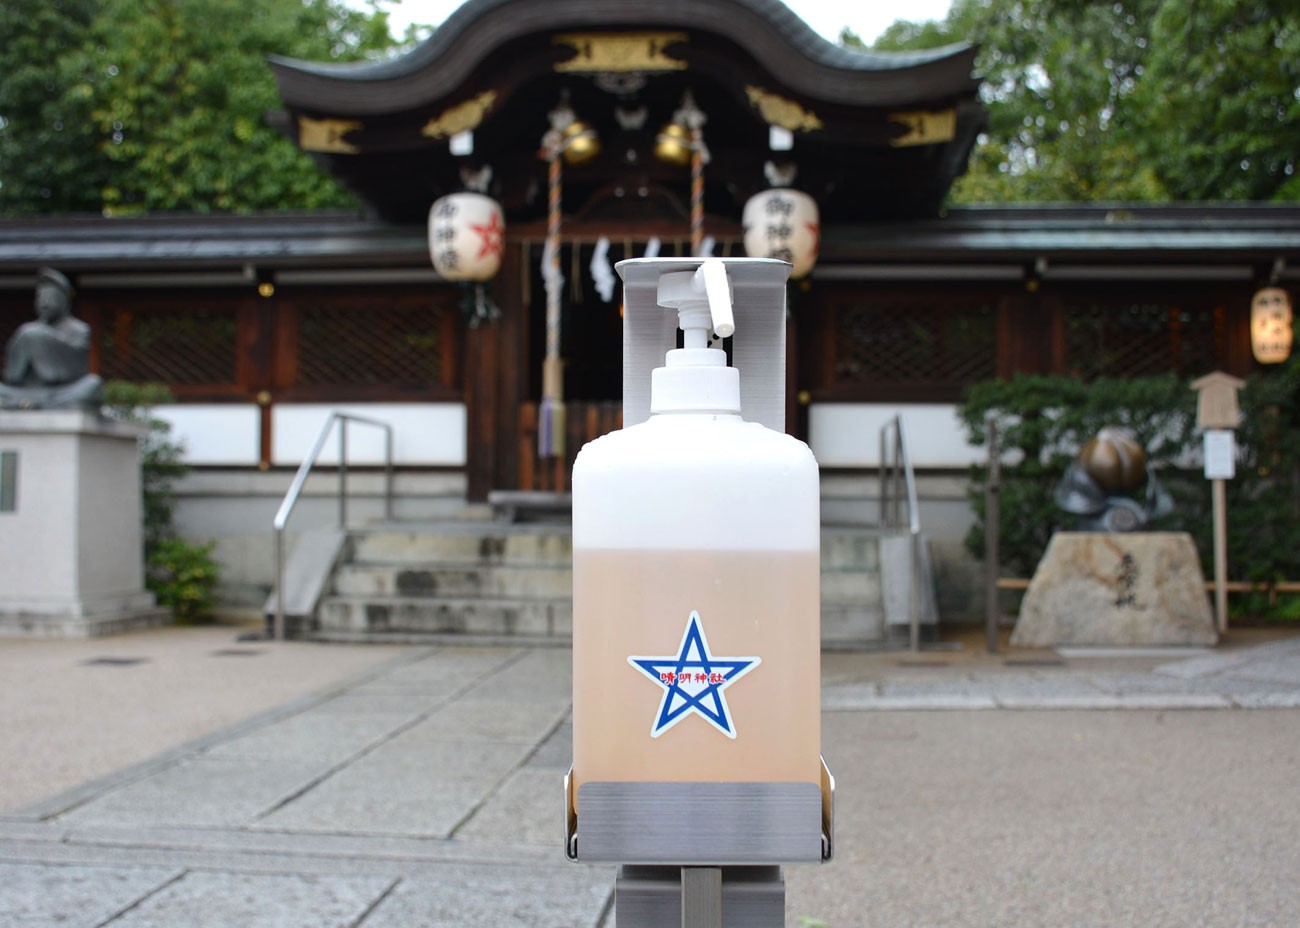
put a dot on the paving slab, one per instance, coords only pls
(527, 809)
(498, 898)
(35, 896)
(411, 786)
(255, 900)
(203, 792)
(426, 791)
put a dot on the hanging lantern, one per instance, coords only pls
(783, 223)
(1270, 325)
(466, 236)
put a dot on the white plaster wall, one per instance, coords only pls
(216, 434)
(848, 434)
(429, 434)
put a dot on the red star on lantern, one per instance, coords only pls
(816, 229)
(492, 235)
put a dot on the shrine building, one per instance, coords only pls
(615, 129)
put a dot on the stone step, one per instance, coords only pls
(851, 625)
(841, 625)
(514, 581)
(483, 545)
(555, 581)
(552, 544)
(545, 618)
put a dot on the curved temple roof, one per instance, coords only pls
(875, 133)
(767, 29)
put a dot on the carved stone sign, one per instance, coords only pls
(1108, 590)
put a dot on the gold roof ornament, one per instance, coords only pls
(925, 127)
(327, 135)
(778, 111)
(620, 51)
(463, 117)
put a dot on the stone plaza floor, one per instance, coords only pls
(421, 786)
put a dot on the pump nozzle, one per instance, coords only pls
(708, 288)
(713, 279)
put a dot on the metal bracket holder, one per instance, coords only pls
(701, 824)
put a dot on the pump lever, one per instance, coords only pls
(716, 286)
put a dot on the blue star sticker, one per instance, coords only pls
(693, 681)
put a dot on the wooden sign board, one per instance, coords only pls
(1216, 401)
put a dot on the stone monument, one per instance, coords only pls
(1114, 586)
(71, 548)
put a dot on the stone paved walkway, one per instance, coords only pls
(425, 791)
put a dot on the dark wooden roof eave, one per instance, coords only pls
(767, 30)
(1109, 234)
(1113, 234)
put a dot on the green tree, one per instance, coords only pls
(1128, 99)
(48, 140)
(159, 105)
(1219, 101)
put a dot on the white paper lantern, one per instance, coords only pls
(466, 236)
(1270, 325)
(783, 223)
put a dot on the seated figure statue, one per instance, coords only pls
(47, 361)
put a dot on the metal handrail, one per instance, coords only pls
(300, 479)
(896, 474)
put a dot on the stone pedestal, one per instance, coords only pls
(71, 561)
(1107, 589)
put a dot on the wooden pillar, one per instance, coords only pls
(482, 399)
(496, 369)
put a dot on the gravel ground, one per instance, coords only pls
(1133, 818)
(71, 710)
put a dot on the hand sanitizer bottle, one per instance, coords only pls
(696, 536)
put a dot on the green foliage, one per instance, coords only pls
(1264, 497)
(160, 457)
(128, 106)
(183, 576)
(1128, 100)
(1220, 99)
(1043, 421)
(180, 574)
(47, 136)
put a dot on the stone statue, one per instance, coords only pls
(47, 361)
(1111, 487)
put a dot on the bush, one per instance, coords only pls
(180, 574)
(1043, 421)
(183, 576)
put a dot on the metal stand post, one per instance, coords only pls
(701, 897)
(666, 897)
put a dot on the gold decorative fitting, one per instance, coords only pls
(579, 143)
(620, 51)
(673, 145)
(778, 111)
(327, 134)
(463, 117)
(925, 128)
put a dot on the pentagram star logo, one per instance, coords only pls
(491, 236)
(693, 681)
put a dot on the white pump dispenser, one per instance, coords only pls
(696, 540)
(695, 377)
